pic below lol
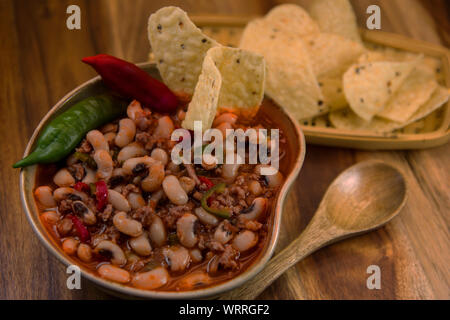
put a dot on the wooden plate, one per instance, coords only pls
(429, 132)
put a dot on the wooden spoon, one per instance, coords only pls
(362, 198)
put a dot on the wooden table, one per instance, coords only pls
(40, 63)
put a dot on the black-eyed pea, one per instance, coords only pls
(245, 240)
(141, 245)
(164, 128)
(113, 250)
(160, 155)
(44, 195)
(174, 191)
(195, 280)
(105, 164)
(50, 217)
(222, 235)
(118, 201)
(255, 188)
(83, 211)
(230, 118)
(272, 176)
(127, 131)
(126, 225)
(178, 258)
(114, 273)
(70, 246)
(63, 178)
(196, 255)
(135, 200)
(64, 227)
(84, 252)
(150, 280)
(187, 184)
(134, 166)
(155, 177)
(205, 217)
(69, 193)
(132, 150)
(97, 140)
(186, 226)
(256, 209)
(157, 231)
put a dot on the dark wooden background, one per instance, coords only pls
(40, 62)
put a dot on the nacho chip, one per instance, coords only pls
(291, 82)
(348, 120)
(413, 93)
(369, 86)
(243, 76)
(179, 48)
(231, 79)
(331, 54)
(335, 16)
(333, 92)
(291, 18)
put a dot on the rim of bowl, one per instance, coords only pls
(116, 288)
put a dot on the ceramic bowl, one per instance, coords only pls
(292, 164)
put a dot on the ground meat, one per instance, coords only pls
(130, 188)
(171, 216)
(106, 214)
(77, 170)
(65, 206)
(146, 139)
(244, 223)
(229, 258)
(85, 147)
(144, 215)
(215, 246)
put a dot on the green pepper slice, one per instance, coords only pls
(222, 213)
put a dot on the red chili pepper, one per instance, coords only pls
(82, 231)
(101, 194)
(81, 186)
(206, 181)
(132, 82)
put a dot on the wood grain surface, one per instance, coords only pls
(40, 63)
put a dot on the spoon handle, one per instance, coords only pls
(317, 234)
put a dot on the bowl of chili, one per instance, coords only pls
(290, 167)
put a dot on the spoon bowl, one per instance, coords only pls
(365, 196)
(362, 198)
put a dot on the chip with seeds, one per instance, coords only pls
(290, 82)
(347, 120)
(413, 93)
(179, 48)
(335, 16)
(333, 93)
(231, 80)
(369, 86)
(331, 54)
(291, 18)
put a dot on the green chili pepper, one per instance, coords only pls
(222, 213)
(65, 132)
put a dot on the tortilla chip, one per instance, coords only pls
(333, 92)
(331, 54)
(348, 120)
(232, 80)
(291, 18)
(179, 48)
(291, 82)
(413, 93)
(203, 105)
(335, 16)
(369, 86)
